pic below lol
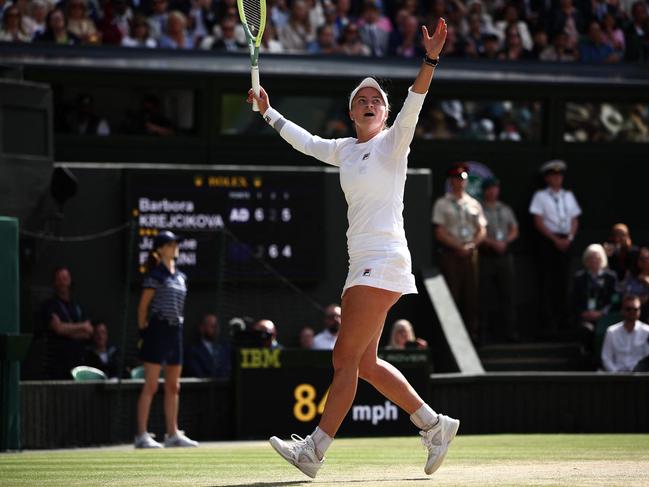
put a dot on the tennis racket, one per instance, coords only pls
(253, 18)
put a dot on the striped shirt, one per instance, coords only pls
(168, 302)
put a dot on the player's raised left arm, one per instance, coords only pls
(433, 45)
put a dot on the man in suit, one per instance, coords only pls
(208, 358)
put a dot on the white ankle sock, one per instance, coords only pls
(322, 441)
(424, 418)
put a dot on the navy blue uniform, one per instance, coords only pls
(162, 340)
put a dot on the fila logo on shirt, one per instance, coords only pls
(367, 272)
(365, 156)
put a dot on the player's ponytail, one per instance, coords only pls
(153, 260)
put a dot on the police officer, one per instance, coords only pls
(160, 320)
(555, 212)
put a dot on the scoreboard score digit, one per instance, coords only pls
(234, 217)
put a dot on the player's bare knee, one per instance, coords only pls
(150, 388)
(172, 387)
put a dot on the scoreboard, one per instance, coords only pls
(241, 219)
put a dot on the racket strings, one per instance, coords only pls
(252, 10)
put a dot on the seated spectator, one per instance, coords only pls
(12, 26)
(638, 282)
(228, 40)
(433, 126)
(636, 33)
(67, 329)
(594, 288)
(593, 49)
(115, 23)
(149, 120)
(34, 22)
(305, 338)
(402, 337)
(513, 50)
(85, 120)
(202, 18)
(269, 333)
(454, 45)
(625, 343)
(475, 7)
(139, 34)
(559, 50)
(491, 44)
(405, 41)
(316, 13)
(298, 32)
(325, 42)
(326, 339)
(374, 29)
(330, 15)
(158, 19)
(80, 24)
(56, 30)
(269, 41)
(344, 16)
(612, 34)
(279, 13)
(351, 42)
(207, 358)
(622, 254)
(100, 354)
(475, 37)
(540, 40)
(511, 20)
(570, 21)
(176, 36)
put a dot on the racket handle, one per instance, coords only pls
(254, 73)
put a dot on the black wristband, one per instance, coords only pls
(431, 62)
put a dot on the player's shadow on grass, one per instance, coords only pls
(309, 482)
(271, 484)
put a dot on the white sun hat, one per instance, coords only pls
(368, 83)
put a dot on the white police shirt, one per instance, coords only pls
(623, 350)
(372, 175)
(557, 208)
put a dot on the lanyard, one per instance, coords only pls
(560, 203)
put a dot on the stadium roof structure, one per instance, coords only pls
(209, 62)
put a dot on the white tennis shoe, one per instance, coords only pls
(299, 452)
(178, 439)
(145, 440)
(437, 440)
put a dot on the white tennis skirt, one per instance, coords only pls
(391, 270)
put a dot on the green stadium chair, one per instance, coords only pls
(85, 373)
(138, 372)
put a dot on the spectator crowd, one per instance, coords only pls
(589, 31)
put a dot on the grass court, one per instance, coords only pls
(502, 460)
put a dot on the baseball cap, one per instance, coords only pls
(163, 238)
(489, 182)
(368, 83)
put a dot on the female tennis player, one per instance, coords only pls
(160, 317)
(372, 175)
